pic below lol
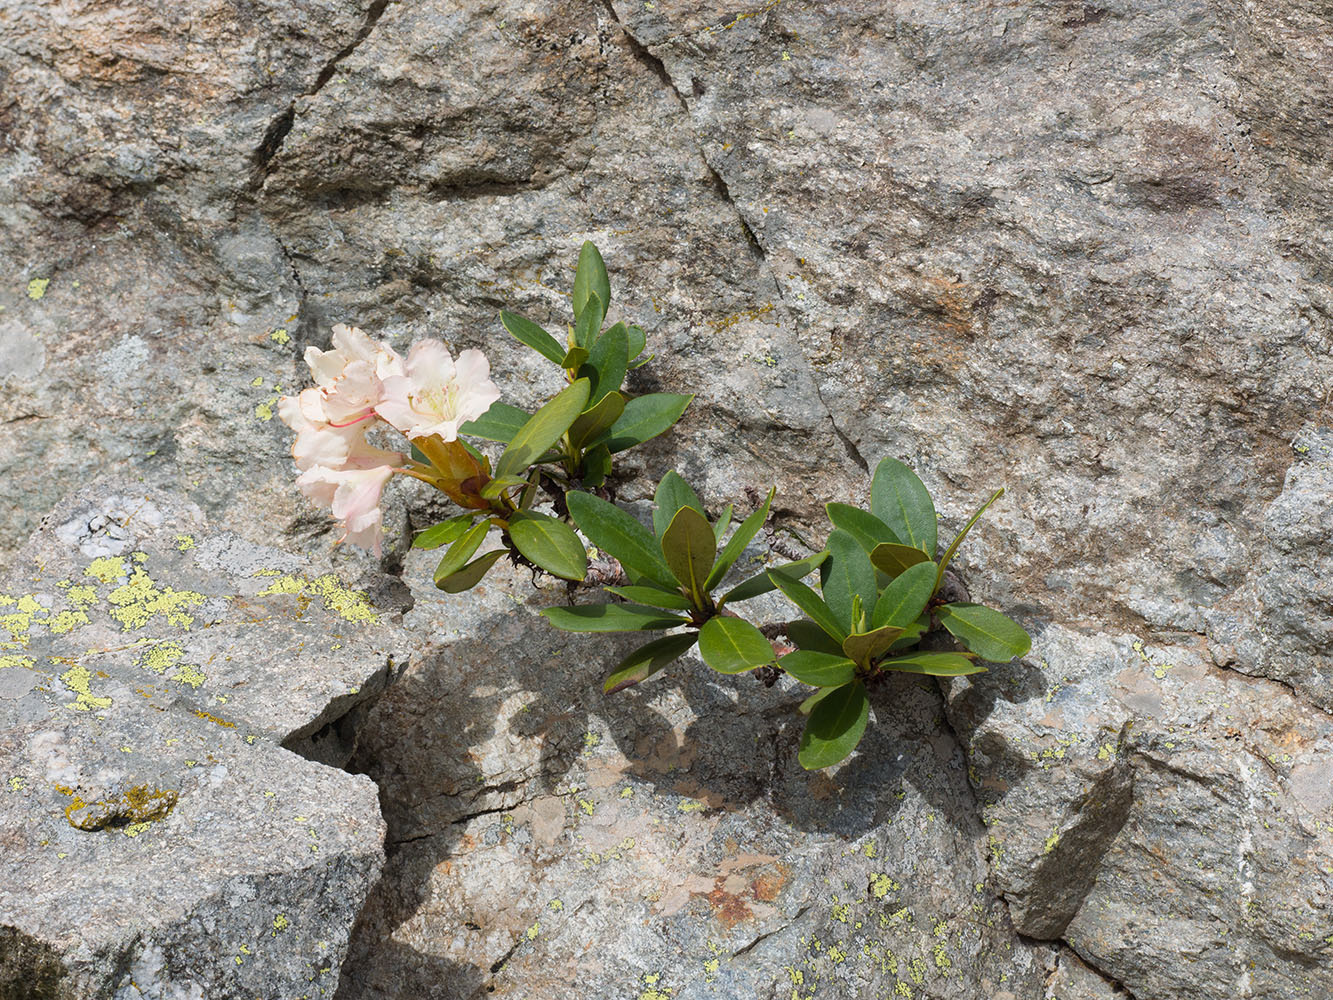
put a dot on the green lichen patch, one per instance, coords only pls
(350, 605)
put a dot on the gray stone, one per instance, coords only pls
(1167, 818)
(158, 839)
(546, 840)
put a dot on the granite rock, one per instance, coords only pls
(159, 839)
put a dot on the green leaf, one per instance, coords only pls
(649, 660)
(638, 340)
(590, 279)
(588, 323)
(596, 467)
(868, 646)
(985, 631)
(550, 543)
(608, 361)
(733, 645)
(644, 418)
(903, 600)
(760, 583)
(499, 485)
(958, 540)
(736, 544)
(611, 618)
(656, 596)
(470, 575)
(641, 361)
(809, 602)
(444, 532)
(543, 429)
(902, 502)
(810, 636)
(912, 634)
(865, 527)
(528, 332)
(689, 547)
(808, 706)
(894, 559)
(836, 725)
(846, 574)
(621, 536)
(575, 358)
(500, 423)
(723, 522)
(818, 669)
(673, 493)
(417, 454)
(457, 555)
(934, 664)
(596, 420)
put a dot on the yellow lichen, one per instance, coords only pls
(37, 287)
(160, 657)
(108, 569)
(79, 679)
(279, 336)
(351, 605)
(140, 599)
(139, 805)
(191, 675)
(184, 543)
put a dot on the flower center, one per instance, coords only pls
(439, 399)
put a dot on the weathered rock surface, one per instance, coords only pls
(158, 840)
(1075, 248)
(547, 840)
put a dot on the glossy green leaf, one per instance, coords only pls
(733, 645)
(736, 544)
(590, 279)
(457, 555)
(543, 429)
(934, 664)
(497, 486)
(689, 547)
(912, 634)
(835, 727)
(500, 423)
(444, 532)
(621, 536)
(894, 559)
(865, 527)
(470, 575)
(902, 502)
(607, 362)
(761, 583)
(818, 669)
(903, 600)
(592, 423)
(809, 636)
(645, 593)
(648, 660)
(549, 543)
(985, 631)
(958, 539)
(611, 618)
(638, 340)
(673, 493)
(644, 418)
(723, 522)
(529, 333)
(810, 603)
(867, 647)
(808, 706)
(588, 323)
(596, 467)
(574, 358)
(846, 574)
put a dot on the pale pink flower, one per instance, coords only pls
(319, 443)
(437, 394)
(354, 495)
(351, 344)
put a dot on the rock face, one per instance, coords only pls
(157, 837)
(1077, 249)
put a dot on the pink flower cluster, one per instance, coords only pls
(363, 383)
